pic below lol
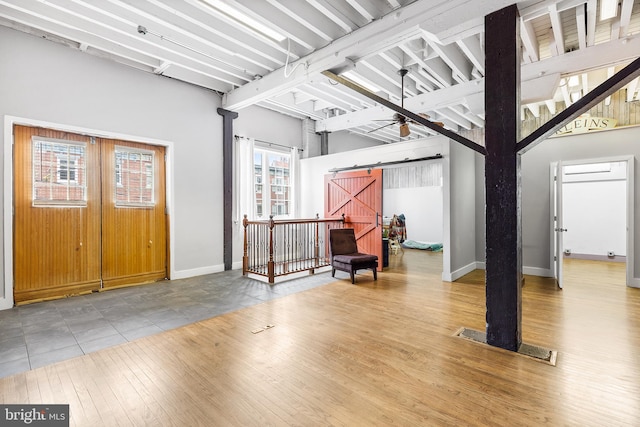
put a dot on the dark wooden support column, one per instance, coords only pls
(324, 143)
(227, 182)
(502, 180)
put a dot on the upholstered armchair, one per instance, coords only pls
(345, 256)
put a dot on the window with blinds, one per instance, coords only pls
(134, 177)
(59, 172)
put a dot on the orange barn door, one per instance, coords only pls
(56, 239)
(358, 195)
(134, 238)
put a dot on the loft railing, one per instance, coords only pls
(275, 248)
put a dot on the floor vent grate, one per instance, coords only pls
(533, 351)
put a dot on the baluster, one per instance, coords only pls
(244, 251)
(270, 265)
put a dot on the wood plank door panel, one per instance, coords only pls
(134, 238)
(56, 243)
(358, 195)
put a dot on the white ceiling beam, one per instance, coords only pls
(539, 80)
(90, 19)
(454, 58)
(271, 16)
(308, 17)
(318, 94)
(49, 25)
(422, 65)
(530, 41)
(479, 122)
(535, 109)
(343, 9)
(539, 8)
(581, 26)
(551, 106)
(257, 48)
(300, 96)
(585, 83)
(362, 9)
(610, 72)
(286, 102)
(556, 26)
(625, 17)
(352, 97)
(593, 58)
(333, 14)
(162, 68)
(456, 118)
(566, 96)
(200, 43)
(370, 73)
(381, 34)
(451, 96)
(373, 135)
(632, 87)
(592, 21)
(439, 70)
(472, 48)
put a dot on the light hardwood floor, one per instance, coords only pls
(373, 353)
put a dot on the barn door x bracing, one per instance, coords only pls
(88, 214)
(358, 195)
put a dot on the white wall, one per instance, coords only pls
(340, 142)
(594, 211)
(267, 125)
(422, 208)
(459, 173)
(45, 82)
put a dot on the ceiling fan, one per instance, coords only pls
(398, 118)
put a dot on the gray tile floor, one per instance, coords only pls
(39, 334)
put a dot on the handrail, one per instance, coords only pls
(275, 248)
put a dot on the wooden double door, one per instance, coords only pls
(89, 213)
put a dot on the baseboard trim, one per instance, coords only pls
(455, 275)
(185, 274)
(531, 271)
(536, 271)
(615, 258)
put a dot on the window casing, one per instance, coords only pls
(273, 183)
(134, 177)
(59, 172)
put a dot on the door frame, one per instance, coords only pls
(630, 201)
(6, 293)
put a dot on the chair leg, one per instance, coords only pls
(353, 277)
(375, 273)
(333, 272)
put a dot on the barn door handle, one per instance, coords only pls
(377, 219)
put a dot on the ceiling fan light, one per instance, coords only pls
(404, 130)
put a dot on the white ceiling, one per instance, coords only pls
(441, 43)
